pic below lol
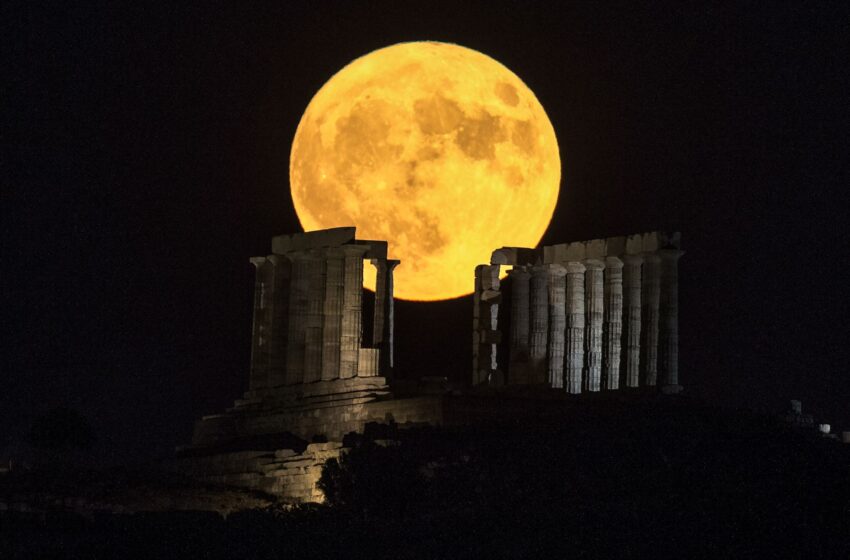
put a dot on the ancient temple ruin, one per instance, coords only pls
(308, 349)
(583, 316)
(571, 318)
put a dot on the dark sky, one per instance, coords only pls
(145, 159)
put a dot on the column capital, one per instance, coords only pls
(575, 267)
(257, 261)
(389, 264)
(593, 264)
(613, 262)
(557, 270)
(518, 270)
(354, 250)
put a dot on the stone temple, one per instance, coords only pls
(583, 317)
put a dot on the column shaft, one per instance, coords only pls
(281, 272)
(539, 298)
(520, 315)
(631, 319)
(332, 308)
(575, 327)
(260, 334)
(669, 320)
(352, 311)
(650, 294)
(315, 310)
(595, 298)
(612, 327)
(557, 324)
(296, 330)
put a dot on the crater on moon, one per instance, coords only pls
(438, 149)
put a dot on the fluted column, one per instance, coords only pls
(539, 297)
(557, 324)
(297, 328)
(631, 319)
(332, 312)
(520, 315)
(315, 311)
(352, 311)
(669, 321)
(612, 327)
(595, 299)
(382, 333)
(575, 326)
(260, 332)
(650, 294)
(280, 271)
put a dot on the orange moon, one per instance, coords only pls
(434, 147)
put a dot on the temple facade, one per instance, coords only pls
(584, 316)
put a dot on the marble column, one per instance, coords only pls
(631, 319)
(595, 299)
(575, 326)
(352, 311)
(612, 326)
(557, 324)
(315, 314)
(297, 328)
(260, 331)
(538, 341)
(520, 315)
(281, 272)
(382, 333)
(669, 321)
(332, 307)
(650, 295)
(485, 322)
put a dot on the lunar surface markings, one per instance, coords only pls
(436, 148)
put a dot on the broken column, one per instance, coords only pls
(650, 295)
(612, 327)
(669, 321)
(539, 323)
(486, 300)
(575, 327)
(557, 324)
(631, 319)
(594, 297)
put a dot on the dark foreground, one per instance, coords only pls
(627, 480)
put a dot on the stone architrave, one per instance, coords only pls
(281, 272)
(332, 308)
(631, 319)
(315, 316)
(539, 297)
(612, 327)
(297, 328)
(520, 315)
(557, 324)
(575, 327)
(260, 331)
(382, 333)
(669, 321)
(650, 301)
(595, 300)
(352, 317)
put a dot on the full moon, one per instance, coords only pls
(434, 147)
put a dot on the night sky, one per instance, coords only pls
(145, 158)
